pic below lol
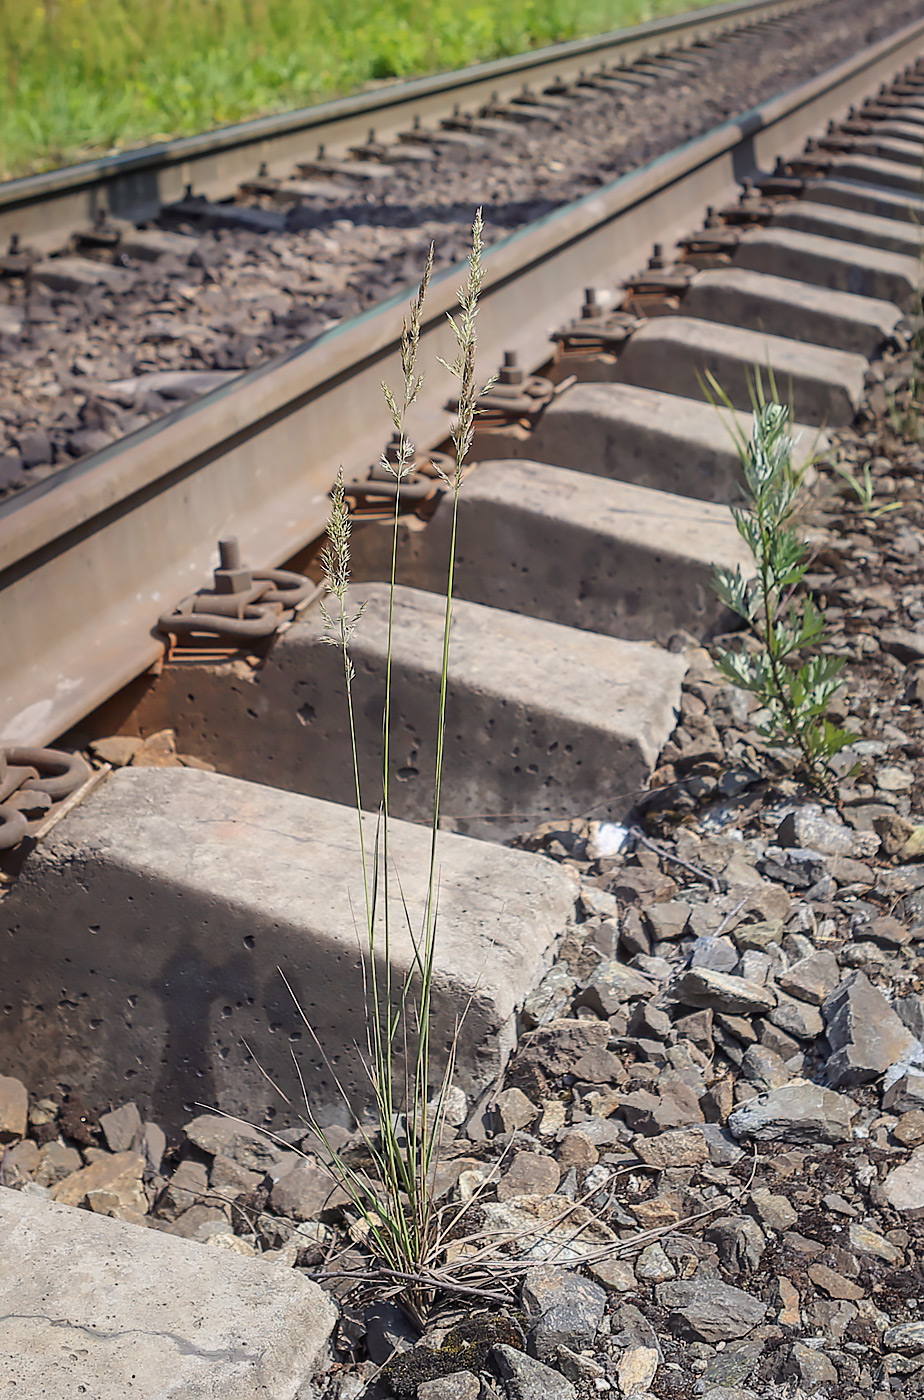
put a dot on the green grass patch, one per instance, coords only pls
(79, 78)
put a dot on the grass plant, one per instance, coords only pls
(82, 77)
(394, 1207)
(864, 489)
(794, 682)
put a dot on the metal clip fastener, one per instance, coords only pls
(31, 782)
(599, 327)
(515, 395)
(244, 603)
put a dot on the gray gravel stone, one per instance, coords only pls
(811, 979)
(865, 1034)
(799, 1112)
(764, 1068)
(558, 1045)
(734, 1364)
(717, 954)
(867, 1242)
(903, 1188)
(723, 1150)
(563, 1308)
(514, 1110)
(704, 1310)
(14, 1109)
(525, 1378)
(653, 1265)
(229, 1179)
(808, 829)
(649, 1022)
(797, 1018)
(906, 1093)
(910, 1011)
(121, 1127)
(806, 1365)
(388, 1331)
(722, 992)
(798, 868)
(739, 1240)
(906, 1337)
(153, 1143)
(248, 1146)
(460, 1385)
(611, 985)
(529, 1174)
(677, 1147)
(775, 1212)
(304, 1192)
(56, 1162)
(185, 1188)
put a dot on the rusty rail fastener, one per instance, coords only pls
(514, 395)
(425, 476)
(599, 327)
(243, 603)
(31, 782)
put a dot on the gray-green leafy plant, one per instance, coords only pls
(794, 683)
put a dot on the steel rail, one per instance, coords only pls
(91, 557)
(45, 209)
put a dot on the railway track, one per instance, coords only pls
(146, 917)
(588, 534)
(45, 210)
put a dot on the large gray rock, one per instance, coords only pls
(903, 1188)
(563, 1309)
(245, 1145)
(811, 979)
(721, 991)
(865, 1034)
(525, 1378)
(739, 1240)
(798, 1112)
(99, 1308)
(704, 1310)
(808, 829)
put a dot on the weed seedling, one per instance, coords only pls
(865, 491)
(794, 689)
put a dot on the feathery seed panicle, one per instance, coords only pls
(463, 366)
(410, 345)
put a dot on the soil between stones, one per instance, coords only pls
(241, 297)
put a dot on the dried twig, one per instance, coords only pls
(638, 835)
